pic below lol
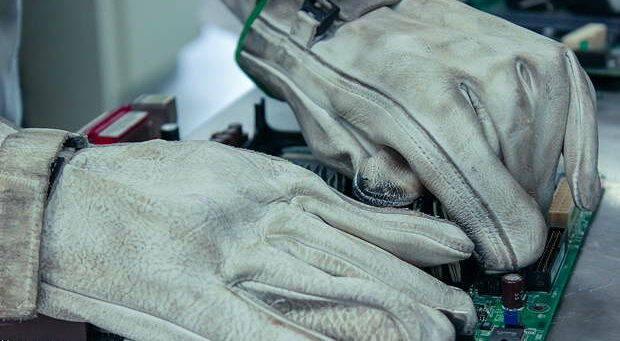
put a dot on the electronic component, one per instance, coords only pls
(513, 291)
(268, 140)
(169, 132)
(461, 274)
(232, 136)
(506, 334)
(482, 312)
(538, 277)
(136, 122)
(539, 308)
(489, 284)
(561, 216)
(513, 294)
(562, 210)
(121, 125)
(588, 37)
(486, 325)
(163, 108)
(512, 317)
(448, 273)
(542, 274)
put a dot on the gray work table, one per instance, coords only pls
(590, 310)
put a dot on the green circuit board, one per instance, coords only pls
(540, 307)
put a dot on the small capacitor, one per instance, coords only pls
(169, 131)
(513, 294)
(513, 287)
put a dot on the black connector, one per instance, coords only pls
(541, 275)
(323, 11)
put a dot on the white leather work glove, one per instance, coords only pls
(414, 94)
(200, 241)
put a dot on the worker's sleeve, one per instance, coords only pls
(29, 158)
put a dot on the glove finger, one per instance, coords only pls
(342, 255)
(328, 139)
(419, 239)
(581, 139)
(386, 180)
(296, 280)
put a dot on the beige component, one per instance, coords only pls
(589, 37)
(562, 206)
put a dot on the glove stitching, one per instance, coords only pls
(397, 320)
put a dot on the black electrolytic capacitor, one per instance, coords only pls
(513, 294)
(513, 287)
(169, 131)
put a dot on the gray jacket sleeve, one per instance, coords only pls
(26, 159)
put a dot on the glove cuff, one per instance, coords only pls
(28, 163)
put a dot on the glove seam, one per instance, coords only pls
(402, 328)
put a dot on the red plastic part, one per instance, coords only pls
(94, 132)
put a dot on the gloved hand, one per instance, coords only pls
(200, 241)
(414, 94)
